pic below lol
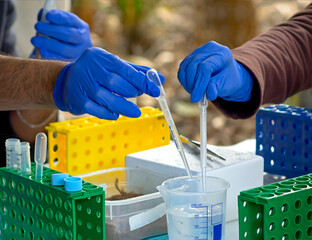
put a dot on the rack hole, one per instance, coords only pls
(55, 148)
(298, 219)
(284, 208)
(260, 147)
(297, 204)
(284, 137)
(3, 182)
(272, 211)
(285, 237)
(22, 232)
(272, 122)
(12, 184)
(272, 226)
(284, 151)
(30, 221)
(31, 235)
(306, 141)
(13, 228)
(285, 223)
(55, 161)
(298, 235)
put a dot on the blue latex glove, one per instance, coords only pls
(211, 69)
(98, 83)
(64, 36)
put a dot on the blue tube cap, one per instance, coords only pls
(73, 184)
(57, 179)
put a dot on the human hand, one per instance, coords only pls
(62, 36)
(212, 70)
(98, 83)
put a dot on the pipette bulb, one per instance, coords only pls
(40, 148)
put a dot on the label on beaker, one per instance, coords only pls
(195, 222)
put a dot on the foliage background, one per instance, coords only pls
(160, 33)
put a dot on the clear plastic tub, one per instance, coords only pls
(134, 218)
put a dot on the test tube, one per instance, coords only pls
(11, 157)
(18, 156)
(25, 158)
(40, 153)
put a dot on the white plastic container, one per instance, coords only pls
(243, 170)
(137, 217)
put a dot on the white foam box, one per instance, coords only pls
(243, 170)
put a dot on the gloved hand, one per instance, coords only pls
(212, 70)
(64, 36)
(92, 85)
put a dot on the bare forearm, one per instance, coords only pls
(28, 123)
(27, 83)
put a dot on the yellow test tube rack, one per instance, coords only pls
(90, 144)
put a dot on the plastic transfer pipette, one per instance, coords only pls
(153, 76)
(203, 104)
(40, 153)
(48, 5)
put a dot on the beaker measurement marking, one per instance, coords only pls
(194, 205)
(198, 227)
(198, 216)
(204, 215)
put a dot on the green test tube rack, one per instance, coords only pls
(281, 210)
(34, 209)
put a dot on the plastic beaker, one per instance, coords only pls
(194, 214)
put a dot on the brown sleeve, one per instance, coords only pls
(280, 61)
